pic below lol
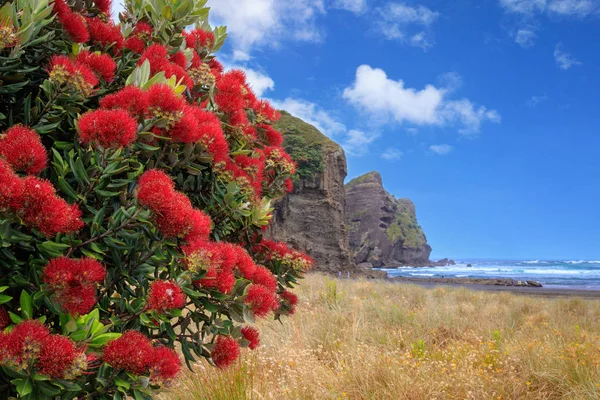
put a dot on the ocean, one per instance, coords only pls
(579, 274)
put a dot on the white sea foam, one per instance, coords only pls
(416, 274)
(531, 262)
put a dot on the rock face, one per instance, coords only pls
(311, 218)
(383, 230)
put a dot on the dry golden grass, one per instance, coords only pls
(356, 339)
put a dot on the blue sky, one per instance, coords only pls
(483, 112)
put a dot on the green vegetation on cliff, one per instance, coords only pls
(406, 227)
(305, 144)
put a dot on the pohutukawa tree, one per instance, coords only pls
(136, 177)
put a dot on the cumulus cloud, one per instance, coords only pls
(563, 59)
(356, 6)
(441, 149)
(387, 99)
(253, 23)
(408, 24)
(579, 8)
(354, 141)
(392, 154)
(525, 37)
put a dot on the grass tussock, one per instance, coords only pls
(375, 340)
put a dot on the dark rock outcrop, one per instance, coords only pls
(311, 218)
(383, 230)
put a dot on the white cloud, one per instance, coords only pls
(259, 81)
(354, 142)
(357, 142)
(578, 8)
(564, 60)
(312, 114)
(356, 6)
(523, 6)
(535, 100)
(392, 154)
(253, 23)
(385, 99)
(396, 21)
(525, 37)
(441, 149)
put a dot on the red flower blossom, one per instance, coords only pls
(199, 38)
(61, 8)
(180, 59)
(102, 64)
(136, 42)
(186, 130)
(262, 276)
(132, 352)
(22, 148)
(164, 102)
(105, 33)
(251, 334)
(26, 340)
(245, 264)
(173, 217)
(39, 207)
(216, 68)
(164, 366)
(75, 26)
(4, 319)
(225, 352)
(230, 94)
(201, 226)
(107, 128)
(11, 187)
(202, 255)
(274, 137)
(57, 356)
(261, 300)
(289, 301)
(154, 189)
(131, 99)
(289, 185)
(76, 77)
(165, 295)
(158, 56)
(266, 112)
(74, 283)
(104, 6)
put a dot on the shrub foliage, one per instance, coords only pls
(136, 177)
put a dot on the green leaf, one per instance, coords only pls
(23, 386)
(104, 338)
(26, 305)
(4, 298)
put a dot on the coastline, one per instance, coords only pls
(546, 291)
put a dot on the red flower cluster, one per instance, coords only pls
(30, 343)
(133, 352)
(102, 64)
(262, 276)
(139, 37)
(73, 76)
(73, 23)
(22, 148)
(11, 187)
(105, 33)
(107, 128)
(216, 259)
(225, 352)
(288, 302)
(173, 210)
(251, 334)
(74, 282)
(131, 99)
(38, 206)
(279, 251)
(158, 56)
(165, 295)
(198, 38)
(261, 300)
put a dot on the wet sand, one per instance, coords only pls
(530, 291)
